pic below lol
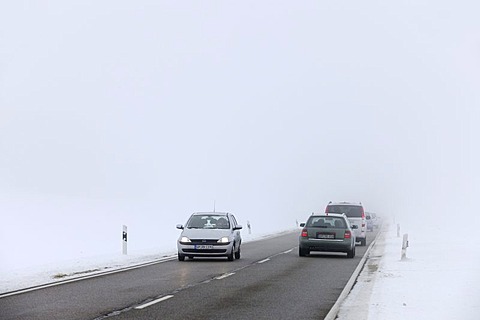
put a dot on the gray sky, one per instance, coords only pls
(152, 109)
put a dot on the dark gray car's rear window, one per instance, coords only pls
(326, 222)
(349, 210)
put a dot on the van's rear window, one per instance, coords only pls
(350, 211)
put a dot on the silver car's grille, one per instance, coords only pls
(205, 241)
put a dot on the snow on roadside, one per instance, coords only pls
(438, 279)
(25, 277)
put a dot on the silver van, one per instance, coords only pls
(356, 216)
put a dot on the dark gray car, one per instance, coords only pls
(327, 232)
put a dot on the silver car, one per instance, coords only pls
(210, 234)
(369, 220)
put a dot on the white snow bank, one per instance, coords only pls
(439, 279)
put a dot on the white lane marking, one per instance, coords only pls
(288, 251)
(153, 302)
(223, 276)
(264, 260)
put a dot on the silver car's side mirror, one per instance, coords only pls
(238, 227)
(179, 226)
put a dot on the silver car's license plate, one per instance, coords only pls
(203, 246)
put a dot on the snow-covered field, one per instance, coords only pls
(439, 278)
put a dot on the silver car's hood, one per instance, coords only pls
(206, 233)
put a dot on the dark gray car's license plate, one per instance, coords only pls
(325, 236)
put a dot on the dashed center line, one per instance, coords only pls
(264, 260)
(288, 251)
(223, 276)
(154, 302)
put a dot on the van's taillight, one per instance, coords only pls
(347, 235)
(326, 209)
(304, 233)
(363, 213)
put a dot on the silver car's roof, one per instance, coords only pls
(210, 213)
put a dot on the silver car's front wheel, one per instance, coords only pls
(230, 256)
(237, 254)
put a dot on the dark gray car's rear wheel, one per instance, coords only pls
(351, 253)
(302, 252)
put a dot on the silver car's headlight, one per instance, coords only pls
(184, 240)
(223, 240)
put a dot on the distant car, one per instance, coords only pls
(327, 232)
(369, 219)
(356, 216)
(375, 219)
(210, 234)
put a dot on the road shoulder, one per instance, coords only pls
(356, 305)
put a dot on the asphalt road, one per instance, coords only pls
(270, 281)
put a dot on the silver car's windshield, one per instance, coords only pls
(208, 221)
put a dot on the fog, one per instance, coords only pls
(140, 113)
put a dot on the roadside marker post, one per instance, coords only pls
(124, 240)
(404, 246)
